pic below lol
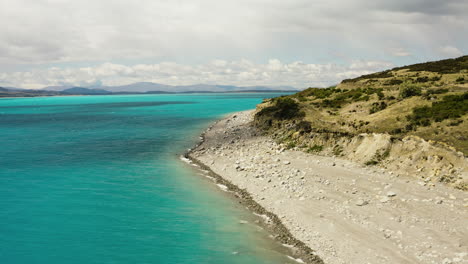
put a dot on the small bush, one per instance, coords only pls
(456, 122)
(385, 154)
(364, 98)
(422, 79)
(381, 95)
(304, 126)
(315, 148)
(409, 91)
(284, 108)
(409, 127)
(438, 91)
(379, 156)
(370, 90)
(331, 103)
(377, 106)
(341, 97)
(393, 82)
(371, 162)
(429, 94)
(319, 93)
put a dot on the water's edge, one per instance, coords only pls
(299, 251)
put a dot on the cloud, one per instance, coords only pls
(38, 32)
(400, 52)
(430, 7)
(241, 72)
(314, 43)
(450, 51)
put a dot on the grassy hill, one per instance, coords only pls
(427, 100)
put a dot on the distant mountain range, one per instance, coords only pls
(143, 87)
(138, 88)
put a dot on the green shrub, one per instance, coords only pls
(290, 145)
(338, 98)
(422, 79)
(350, 94)
(378, 157)
(381, 95)
(393, 82)
(438, 91)
(304, 126)
(452, 106)
(333, 103)
(336, 103)
(377, 106)
(315, 148)
(284, 108)
(319, 93)
(371, 90)
(409, 90)
(409, 127)
(429, 93)
(456, 122)
(371, 162)
(364, 98)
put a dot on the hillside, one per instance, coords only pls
(423, 105)
(152, 87)
(84, 91)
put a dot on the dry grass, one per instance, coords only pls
(340, 112)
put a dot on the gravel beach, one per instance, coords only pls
(343, 211)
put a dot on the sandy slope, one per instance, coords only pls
(346, 212)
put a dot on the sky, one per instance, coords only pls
(299, 43)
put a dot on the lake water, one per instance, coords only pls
(98, 179)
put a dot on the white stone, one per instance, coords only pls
(361, 202)
(384, 199)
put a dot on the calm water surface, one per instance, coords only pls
(97, 179)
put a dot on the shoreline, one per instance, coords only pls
(339, 210)
(299, 251)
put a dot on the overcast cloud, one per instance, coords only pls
(50, 42)
(241, 73)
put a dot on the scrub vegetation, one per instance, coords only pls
(428, 100)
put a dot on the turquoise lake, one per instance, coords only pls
(98, 179)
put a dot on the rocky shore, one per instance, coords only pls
(332, 208)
